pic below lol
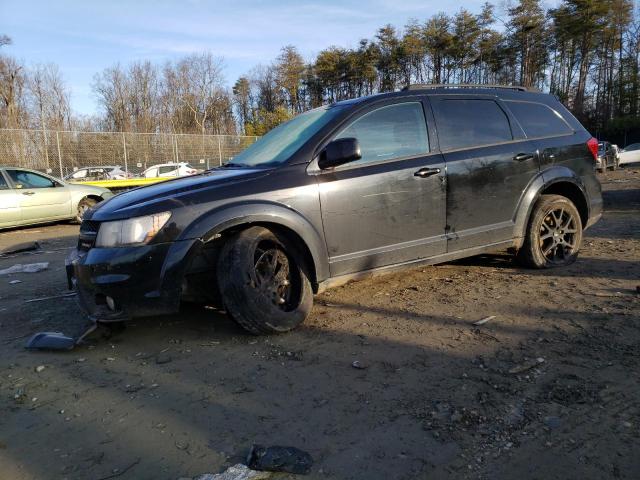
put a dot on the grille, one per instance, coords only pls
(88, 233)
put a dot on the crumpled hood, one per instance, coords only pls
(176, 193)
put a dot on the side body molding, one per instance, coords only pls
(210, 224)
(539, 184)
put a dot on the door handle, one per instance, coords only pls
(29, 193)
(426, 172)
(523, 157)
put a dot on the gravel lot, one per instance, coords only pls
(548, 389)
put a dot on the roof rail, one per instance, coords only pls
(426, 86)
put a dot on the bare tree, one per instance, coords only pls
(12, 96)
(48, 97)
(203, 84)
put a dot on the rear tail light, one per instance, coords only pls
(592, 144)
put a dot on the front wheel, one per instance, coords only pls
(263, 281)
(554, 234)
(84, 205)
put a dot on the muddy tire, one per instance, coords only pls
(263, 281)
(84, 205)
(554, 234)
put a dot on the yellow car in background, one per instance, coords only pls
(28, 197)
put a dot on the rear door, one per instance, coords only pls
(40, 197)
(489, 165)
(387, 207)
(9, 204)
(549, 128)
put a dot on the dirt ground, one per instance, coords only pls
(548, 389)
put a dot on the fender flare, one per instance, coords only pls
(214, 222)
(540, 183)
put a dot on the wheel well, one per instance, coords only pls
(293, 237)
(97, 198)
(573, 193)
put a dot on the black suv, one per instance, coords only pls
(426, 175)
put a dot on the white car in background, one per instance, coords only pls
(630, 154)
(180, 169)
(86, 174)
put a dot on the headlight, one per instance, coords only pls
(133, 231)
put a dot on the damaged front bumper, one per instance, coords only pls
(116, 284)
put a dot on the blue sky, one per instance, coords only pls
(84, 37)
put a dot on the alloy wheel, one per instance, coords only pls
(558, 235)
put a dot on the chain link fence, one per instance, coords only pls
(60, 153)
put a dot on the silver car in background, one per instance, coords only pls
(29, 197)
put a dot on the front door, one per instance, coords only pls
(389, 206)
(489, 165)
(40, 197)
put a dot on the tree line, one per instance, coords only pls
(586, 52)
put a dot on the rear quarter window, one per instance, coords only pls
(539, 120)
(464, 123)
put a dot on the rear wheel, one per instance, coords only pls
(263, 282)
(554, 234)
(84, 205)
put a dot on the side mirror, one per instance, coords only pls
(339, 152)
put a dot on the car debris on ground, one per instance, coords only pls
(279, 459)
(235, 472)
(25, 268)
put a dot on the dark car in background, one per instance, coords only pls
(365, 186)
(607, 157)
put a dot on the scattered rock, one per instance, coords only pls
(20, 395)
(39, 368)
(358, 365)
(163, 358)
(14, 282)
(279, 459)
(552, 422)
(528, 365)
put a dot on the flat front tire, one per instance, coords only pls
(263, 281)
(554, 234)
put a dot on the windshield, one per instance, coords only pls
(281, 142)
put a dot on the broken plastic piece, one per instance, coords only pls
(50, 341)
(57, 340)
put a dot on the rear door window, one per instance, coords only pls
(24, 179)
(390, 132)
(466, 122)
(539, 120)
